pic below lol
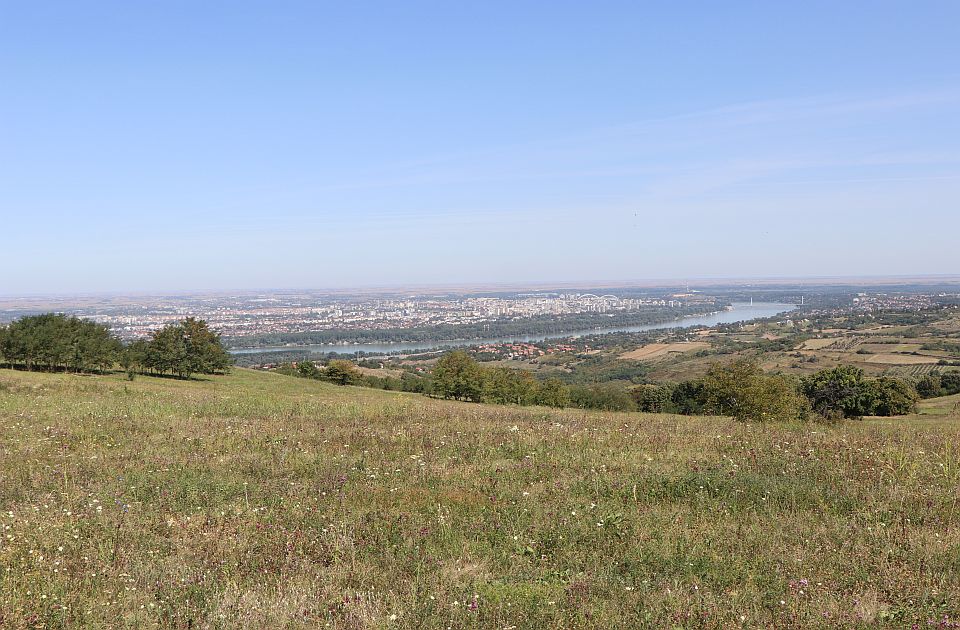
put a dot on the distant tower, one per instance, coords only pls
(751, 300)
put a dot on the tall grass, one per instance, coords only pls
(257, 500)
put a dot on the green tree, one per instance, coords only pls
(651, 398)
(458, 376)
(688, 397)
(167, 352)
(504, 386)
(891, 397)
(205, 351)
(553, 393)
(133, 357)
(837, 392)
(742, 390)
(185, 348)
(341, 372)
(307, 369)
(55, 341)
(950, 383)
(929, 386)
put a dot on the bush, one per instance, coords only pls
(458, 376)
(844, 392)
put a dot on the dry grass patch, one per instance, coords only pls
(658, 350)
(889, 358)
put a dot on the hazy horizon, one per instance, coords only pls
(178, 147)
(693, 283)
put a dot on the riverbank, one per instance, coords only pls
(738, 312)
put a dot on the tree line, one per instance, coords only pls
(743, 390)
(57, 342)
(740, 389)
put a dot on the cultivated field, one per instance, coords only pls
(889, 358)
(257, 500)
(657, 350)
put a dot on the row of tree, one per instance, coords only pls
(183, 348)
(456, 376)
(740, 389)
(55, 341)
(743, 390)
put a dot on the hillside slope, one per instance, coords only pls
(257, 500)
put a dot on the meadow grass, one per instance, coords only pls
(258, 500)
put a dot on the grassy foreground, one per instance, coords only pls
(257, 500)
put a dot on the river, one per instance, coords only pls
(741, 312)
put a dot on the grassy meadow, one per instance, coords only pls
(258, 500)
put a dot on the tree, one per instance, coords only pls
(185, 348)
(205, 352)
(504, 386)
(553, 393)
(688, 397)
(54, 341)
(167, 351)
(341, 372)
(929, 386)
(307, 369)
(891, 397)
(651, 398)
(458, 376)
(742, 390)
(133, 357)
(950, 383)
(837, 392)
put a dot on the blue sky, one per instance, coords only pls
(234, 145)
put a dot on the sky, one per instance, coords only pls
(165, 146)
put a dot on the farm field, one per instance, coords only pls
(258, 500)
(657, 350)
(889, 358)
(818, 344)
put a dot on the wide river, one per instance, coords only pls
(741, 312)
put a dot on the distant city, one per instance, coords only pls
(243, 316)
(248, 315)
